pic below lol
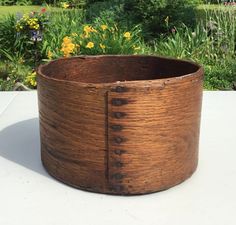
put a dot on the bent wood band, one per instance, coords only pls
(121, 125)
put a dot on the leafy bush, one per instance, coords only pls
(99, 38)
(214, 1)
(220, 76)
(213, 47)
(22, 35)
(8, 37)
(112, 10)
(71, 3)
(15, 2)
(152, 13)
(184, 43)
(12, 72)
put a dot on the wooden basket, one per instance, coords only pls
(120, 124)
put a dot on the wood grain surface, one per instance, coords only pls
(120, 124)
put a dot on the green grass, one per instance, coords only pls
(203, 11)
(5, 10)
(217, 7)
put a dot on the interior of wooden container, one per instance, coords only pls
(109, 69)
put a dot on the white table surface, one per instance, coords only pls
(29, 196)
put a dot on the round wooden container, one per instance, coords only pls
(120, 124)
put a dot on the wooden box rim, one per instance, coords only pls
(130, 83)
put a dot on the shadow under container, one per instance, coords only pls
(120, 124)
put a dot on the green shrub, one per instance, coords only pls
(215, 49)
(214, 1)
(22, 35)
(185, 43)
(220, 76)
(73, 3)
(112, 10)
(7, 2)
(153, 14)
(212, 43)
(10, 41)
(15, 2)
(12, 72)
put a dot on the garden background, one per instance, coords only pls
(36, 31)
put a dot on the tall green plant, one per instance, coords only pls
(221, 26)
(211, 44)
(10, 41)
(62, 23)
(8, 36)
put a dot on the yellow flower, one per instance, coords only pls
(67, 46)
(104, 27)
(102, 46)
(90, 45)
(136, 48)
(33, 23)
(19, 27)
(33, 83)
(66, 40)
(36, 26)
(31, 79)
(49, 55)
(25, 17)
(65, 5)
(88, 29)
(127, 35)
